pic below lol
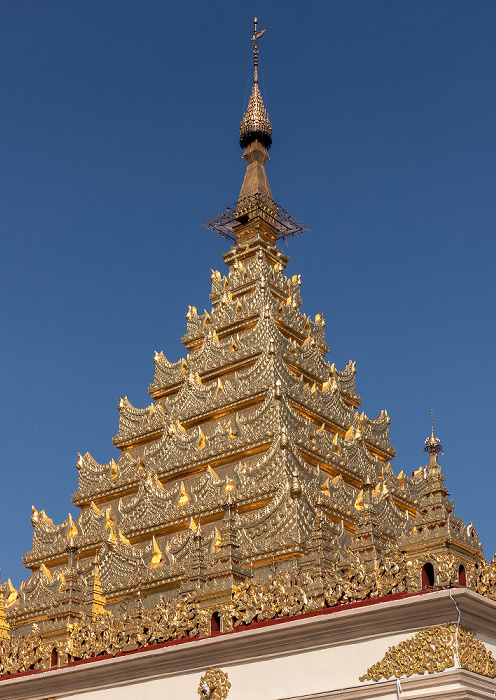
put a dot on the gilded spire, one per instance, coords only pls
(432, 444)
(255, 125)
(255, 201)
(98, 600)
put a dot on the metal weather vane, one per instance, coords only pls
(256, 36)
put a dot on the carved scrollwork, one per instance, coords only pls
(281, 597)
(432, 651)
(214, 685)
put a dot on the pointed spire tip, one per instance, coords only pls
(255, 125)
(432, 444)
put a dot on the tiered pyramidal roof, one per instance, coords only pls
(252, 486)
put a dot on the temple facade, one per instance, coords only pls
(252, 539)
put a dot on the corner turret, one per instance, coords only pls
(444, 550)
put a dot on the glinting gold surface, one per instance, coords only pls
(214, 685)
(434, 650)
(283, 595)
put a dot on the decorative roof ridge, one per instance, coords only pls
(132, 654)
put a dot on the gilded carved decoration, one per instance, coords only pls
(284, 594)
(434, 650)
(485, 581)
(214, 685)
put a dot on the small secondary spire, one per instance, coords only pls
(432, 444)
(255, 125)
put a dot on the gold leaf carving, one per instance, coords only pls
(214, 685)
(434, 650)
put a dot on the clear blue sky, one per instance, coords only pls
(119, 138)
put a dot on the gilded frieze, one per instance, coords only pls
(434, 650)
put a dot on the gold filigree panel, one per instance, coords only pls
(214, 685)
(432, 651)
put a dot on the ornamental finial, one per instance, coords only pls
(432, 444)
(256, 36)
(255, 125)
